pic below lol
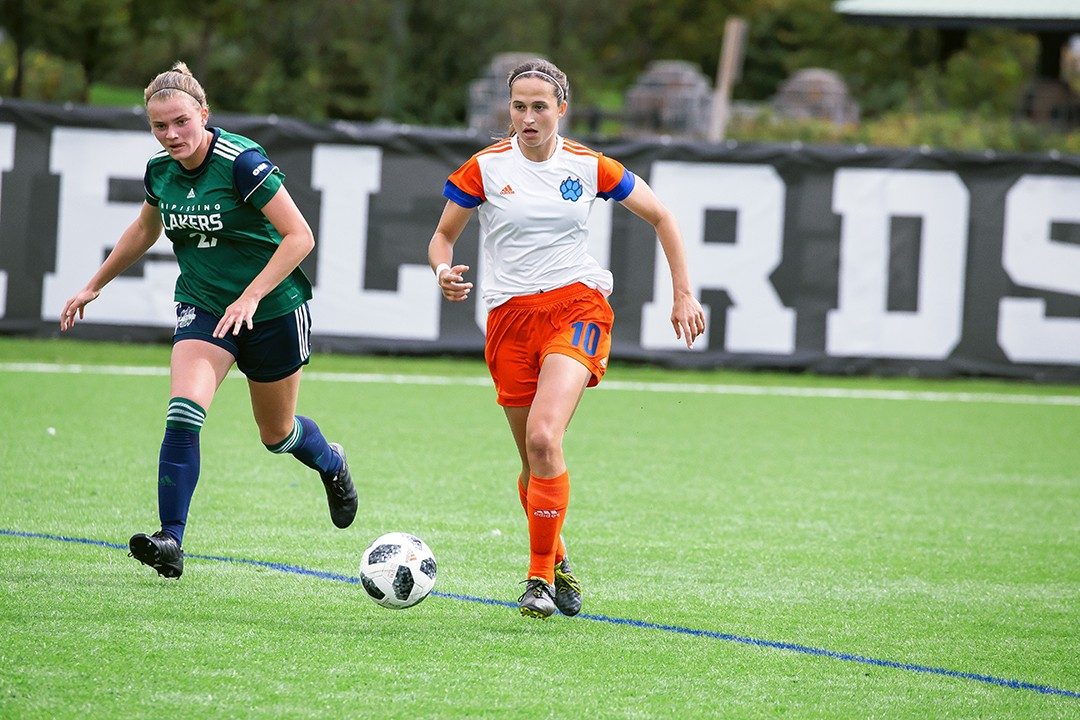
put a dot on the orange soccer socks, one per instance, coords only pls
(523, 494)
(546, 503)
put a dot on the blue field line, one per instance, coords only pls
(676, 629)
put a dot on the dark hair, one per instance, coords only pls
(178, 79)
(546, 71)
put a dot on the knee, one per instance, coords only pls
(273, 434)
(543, 442)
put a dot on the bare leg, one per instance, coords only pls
(197, 369)
(274, 407)
(558, 391)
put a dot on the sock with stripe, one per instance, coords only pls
(547, 501)
(523, 495)
(178, 464)
(307, 444)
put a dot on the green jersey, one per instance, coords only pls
(213, 215)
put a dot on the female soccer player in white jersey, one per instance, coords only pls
(549, 322)
(242, 299)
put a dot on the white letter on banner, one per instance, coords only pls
(347, 175)
(1032, 259)
(7, 161)
(599, 228)
(88, 225)
(866, 200)
(757, 321)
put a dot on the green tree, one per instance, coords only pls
(878, 64)
(987, 76)
(17, 27)
(90, 33)
(412, 60)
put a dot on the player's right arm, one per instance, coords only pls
(464, 192)
(133, 244)
(441, 252)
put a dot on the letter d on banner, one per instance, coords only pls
(862, 325)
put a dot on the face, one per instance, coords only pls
(179, 122)
(535, 111)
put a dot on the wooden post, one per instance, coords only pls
(727, 73)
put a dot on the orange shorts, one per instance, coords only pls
(574, 320)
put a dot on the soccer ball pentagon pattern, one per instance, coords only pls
(397, 570)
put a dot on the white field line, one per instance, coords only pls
(611, 385)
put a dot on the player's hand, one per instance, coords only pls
(76, 305)
(453, 285)
(237, 316)
(687, 318)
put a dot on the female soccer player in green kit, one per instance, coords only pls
(241, 298)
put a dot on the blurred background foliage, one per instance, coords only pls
(410, 61)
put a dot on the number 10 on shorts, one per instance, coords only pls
(586, 336)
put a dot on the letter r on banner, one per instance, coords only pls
(757, 322)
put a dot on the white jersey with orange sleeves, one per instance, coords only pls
(533, 215)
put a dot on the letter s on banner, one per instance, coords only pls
(1033, 259)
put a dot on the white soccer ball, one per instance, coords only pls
(397, 570)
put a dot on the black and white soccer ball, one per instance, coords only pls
(397, 570)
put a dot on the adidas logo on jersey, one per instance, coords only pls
(191, 193)
(507, 191)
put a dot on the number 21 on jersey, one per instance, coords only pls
(205, 241)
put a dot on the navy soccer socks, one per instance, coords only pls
(178, 464)
(307, 444)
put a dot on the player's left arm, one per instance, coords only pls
(687, 317)
(297, 241)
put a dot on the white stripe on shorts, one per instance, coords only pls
(302, 317)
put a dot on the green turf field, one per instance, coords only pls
(750, 545)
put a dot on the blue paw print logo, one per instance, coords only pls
(570, 189)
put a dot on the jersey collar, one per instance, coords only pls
(521, 155)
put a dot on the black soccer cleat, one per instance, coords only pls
(567, 589)
(160, 551)
(340, 492)
(538, 600)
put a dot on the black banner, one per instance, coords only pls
(838, 260)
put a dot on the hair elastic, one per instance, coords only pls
(173, 87)
(510, 81)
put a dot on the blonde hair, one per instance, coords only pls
(177, 79)
(545, 70)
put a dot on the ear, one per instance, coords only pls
(562, 108)
(204, 113)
